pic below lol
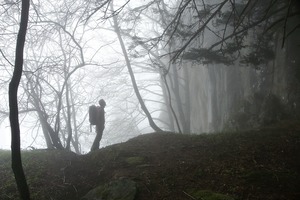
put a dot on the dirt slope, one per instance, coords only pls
(259, 164)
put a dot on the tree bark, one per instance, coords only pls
(69, 120)
(13, 106)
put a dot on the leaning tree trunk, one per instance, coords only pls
(75, 141)
(35, 100)
(13, 106)
(69, 120)
(128, 64)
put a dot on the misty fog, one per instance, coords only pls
(199, 66)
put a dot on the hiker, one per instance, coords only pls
(100, 124)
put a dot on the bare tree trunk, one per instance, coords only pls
(55, 138)
(69, 123)
(135, 87)
(35, 100)
(13, 106)
(45, 130)
(75, 141)
(49, 137)
(170, 102)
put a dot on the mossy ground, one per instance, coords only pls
(257, 164)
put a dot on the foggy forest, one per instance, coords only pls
(198, 99)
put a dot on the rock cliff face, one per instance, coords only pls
(214, 96)
(240, 96)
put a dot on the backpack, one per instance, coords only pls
(93, 114)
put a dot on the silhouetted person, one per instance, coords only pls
(99, 125)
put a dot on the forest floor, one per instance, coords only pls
(256, 164)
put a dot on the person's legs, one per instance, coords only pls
(96, 143)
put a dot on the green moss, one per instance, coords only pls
(5, 157)
(199, 172)
(269, 178)
(116, 190)
(209, 195)
(101, 191)
(136, 160)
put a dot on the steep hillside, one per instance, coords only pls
(258, 164)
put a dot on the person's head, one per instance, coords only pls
(102, 103)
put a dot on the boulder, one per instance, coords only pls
(123, 189)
